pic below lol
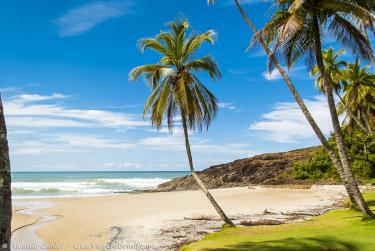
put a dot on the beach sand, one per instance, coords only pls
(159, 221)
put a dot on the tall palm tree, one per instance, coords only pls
(366, 25)
(298, 100)
(336, 70)
(5, 186)
(359, 96)
(297, 28)
(177, 90)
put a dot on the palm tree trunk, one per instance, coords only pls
(223, 216)
(336, 126)
(300, 103)
(367, 123)
(351, 114)
(5, 186)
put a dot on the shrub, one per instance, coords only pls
(318, 167)
(361, 151)
(362, 169)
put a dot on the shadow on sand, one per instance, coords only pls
(292, 244)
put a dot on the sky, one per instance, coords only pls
(69, 105)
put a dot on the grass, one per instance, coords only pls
(339, 230)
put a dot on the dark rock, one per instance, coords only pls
(264, 169)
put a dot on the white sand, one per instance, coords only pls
(158, 220)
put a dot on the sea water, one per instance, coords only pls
(59, 184)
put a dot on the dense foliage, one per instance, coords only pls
(361, 150)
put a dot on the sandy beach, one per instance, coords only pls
(153, 221)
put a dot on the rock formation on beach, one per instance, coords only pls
(264, 169)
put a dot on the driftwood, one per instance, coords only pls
(261, 222)
(208, 218)
(307, 213)
(267, 212)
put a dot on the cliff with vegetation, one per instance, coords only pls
(264, 169)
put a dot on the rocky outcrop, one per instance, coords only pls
(265, 169)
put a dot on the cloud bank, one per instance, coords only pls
(286, 123)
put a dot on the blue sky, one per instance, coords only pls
(69, 105)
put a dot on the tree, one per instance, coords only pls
(359, 96)
(336, 70)
(366, 25)
(273, 59)
(297, 28)
(5, 186)
(177, 89)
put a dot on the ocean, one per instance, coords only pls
(66, 184)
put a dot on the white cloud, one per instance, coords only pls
(293, 72)
(122, 165)
(287, 124)
(9, 89)
(167, 142)
(91, 141)
(39, 122)
(64, 142)
(28, 110)
(273, 75)
(36, 97)
(86, 17)
(176, 142)
(229, 106)
(38, 125)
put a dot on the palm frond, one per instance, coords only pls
(349, 36)
(205, 64)
(175, 88)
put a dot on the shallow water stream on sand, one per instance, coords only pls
(25, 238)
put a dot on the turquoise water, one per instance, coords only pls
(47, 184)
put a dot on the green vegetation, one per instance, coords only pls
(339, 230)
(361, 151)
(316, 168)
(356, 84)
(297, 31)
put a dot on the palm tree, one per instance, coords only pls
(5, 186)
(336, 70)
(359, 96)
(177, 89)
(273, 59)
(366, 25)
(297, 28)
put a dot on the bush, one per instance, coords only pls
(361, 151)
(370, 181)
(362, 169)
(318, 167)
